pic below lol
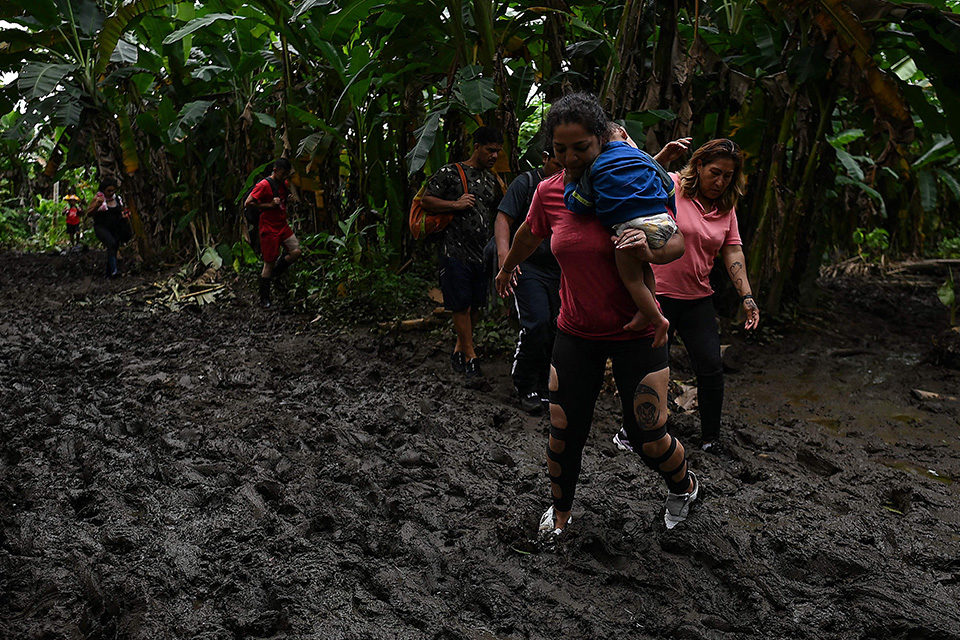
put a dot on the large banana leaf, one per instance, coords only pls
(927, 184)
(851, 165)
(128, 144)
(89, 18)
(951, 183)
(115, 25)
(426, 136)
(190, 115)
(306, 5)
(196, 24)
(125, 53)
(39, 79)
(475, 92)
(338, 26)
(68, 110)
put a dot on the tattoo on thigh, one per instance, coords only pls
(644, 390)
(647, 404)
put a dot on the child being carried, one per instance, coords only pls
(627, 189)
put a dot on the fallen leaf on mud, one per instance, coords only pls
(688, 399)
(920, 394)
(196, 283)
(413, 324)
(436, 295)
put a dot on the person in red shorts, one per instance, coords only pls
(270, 196)
(72, 212)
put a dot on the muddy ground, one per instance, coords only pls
(234, 473)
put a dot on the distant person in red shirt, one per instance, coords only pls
(595, 306)
(72, 213)
(270, 196)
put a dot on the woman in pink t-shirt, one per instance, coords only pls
(707, 192)
(595, 306)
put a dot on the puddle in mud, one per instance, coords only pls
(830, 424)
(913, 468)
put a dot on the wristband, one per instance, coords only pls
(749, 295)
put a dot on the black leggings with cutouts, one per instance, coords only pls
(580, 364)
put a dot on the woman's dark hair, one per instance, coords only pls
(282, 164)
(487, 135)
(106, 183)
(578, 108)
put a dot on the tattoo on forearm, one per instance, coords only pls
(737, 275)
(751, 304)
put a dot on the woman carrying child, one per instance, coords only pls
(110, 222)
(626, 189)
(594, 310)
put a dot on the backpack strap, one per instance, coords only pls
(531, 184)
(463, 178)
(273, 186)
(503, 185)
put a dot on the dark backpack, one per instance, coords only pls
(252, 212)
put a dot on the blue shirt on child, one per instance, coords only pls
(622, 184)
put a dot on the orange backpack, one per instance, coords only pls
(423, 223)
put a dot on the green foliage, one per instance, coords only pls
(871, 245)
(345, 285)
(494, 334)
(949, 247)
(242, 257)
(13, 227)
(364, 94)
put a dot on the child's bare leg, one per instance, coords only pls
(649, 279)
(632, 273)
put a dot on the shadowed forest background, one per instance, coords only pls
(847, 112)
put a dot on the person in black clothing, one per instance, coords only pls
(537, 292)
(462, 276)
(110, 222)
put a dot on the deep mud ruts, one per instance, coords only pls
(235, 473)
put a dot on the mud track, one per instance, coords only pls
(234, 473)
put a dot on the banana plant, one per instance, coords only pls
(62, 79)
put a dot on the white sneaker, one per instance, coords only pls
(548, 523)
(622, 440)
(677, 506)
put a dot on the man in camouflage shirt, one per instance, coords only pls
(462, 277)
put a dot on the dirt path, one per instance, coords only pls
(232, 473)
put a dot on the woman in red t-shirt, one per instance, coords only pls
(595, 306)
(707, 191)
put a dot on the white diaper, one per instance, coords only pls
(658, 228)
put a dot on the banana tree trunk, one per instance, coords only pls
(764, 250)
(799, 214)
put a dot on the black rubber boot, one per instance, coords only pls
(265, 292)
(282, 264)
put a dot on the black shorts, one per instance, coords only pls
(73, 228)
(464, 284)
